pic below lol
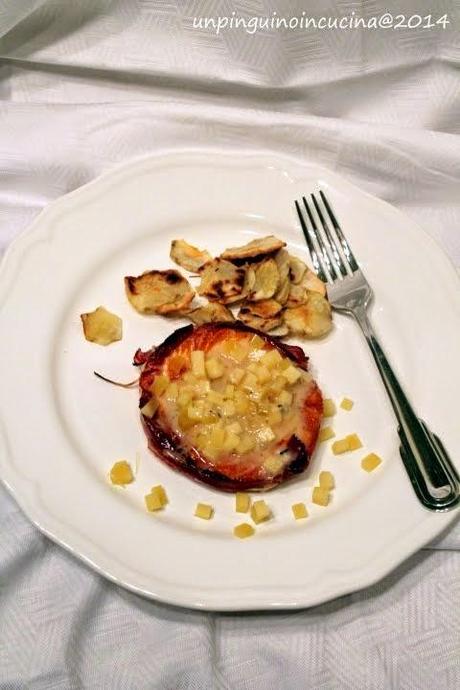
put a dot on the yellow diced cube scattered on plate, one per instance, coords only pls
(326, 480)
(340, 446)
(121, 473)
(370, 462)
(156, 499)
(354, 442)
(346, 404)
(242, 502)
(260, 512)
(159, 490)
(153, 502)
(243, 530)
(326, 433)
(329, 408)
(204, 511)
(299, 510)
(320, 496)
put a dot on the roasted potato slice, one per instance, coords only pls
(282, 294)
(159, 292)
(311, 282)
(282, 263)
(258, 248)
(210, 313)
(298, 292)
(297, 295)
(265, 324)
(101, 326)
(297, 269)
(222, 281)
(189, 257)
(267, 280)
(312, 319)
(266, 308)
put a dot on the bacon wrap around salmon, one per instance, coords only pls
(262, 467)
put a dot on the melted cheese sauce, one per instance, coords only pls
(238, 402)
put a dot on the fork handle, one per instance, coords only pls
(432, 474)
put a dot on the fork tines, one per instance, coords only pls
(329, 250)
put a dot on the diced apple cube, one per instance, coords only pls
(228, 408)
(185, 395)
(370, 462)
(320, 496)
(249, 382)
(273, 465)
(184, 420)
(340, 446)
(198, 363)
(229, 392)
(196, 411)
(265, 434)
(291, 374)
(236, 375)
(204, 511)
(326, 480)
(172, 392)
(263, 373)
(242, 502)
(159, 491)
(153, 502)
(354, 442)
(217, 438)
(243, 530)
(231, 442)
(214, 368)
(278, 384)
(346, 404)
(160, 384)
(234, 428)
(121, 473)
(241, 404)
(299, 510)
(247, 443)
(329, 408)
(326, 433)
(215, 398)
(150, 407)
(260, 512)
(271, 359)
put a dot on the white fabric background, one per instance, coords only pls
(90, 84)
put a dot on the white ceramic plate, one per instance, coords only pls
(62, 429)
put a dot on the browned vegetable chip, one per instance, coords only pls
(211, 312)
(267, 280)
(262, 246)
(312, 319)
(265, 324)
(159, 292)
(222, 281)
(266, 308)
(312, 282)
(297, 269)
(189, 257)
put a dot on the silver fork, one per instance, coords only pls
(431, 472)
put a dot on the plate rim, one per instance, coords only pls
(41, 521)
